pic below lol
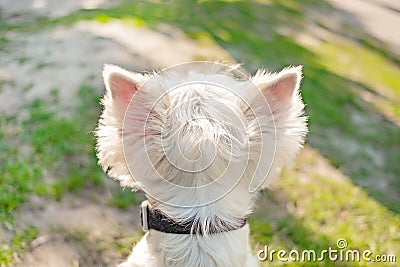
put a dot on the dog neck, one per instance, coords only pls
(222, 249)
(227, 213)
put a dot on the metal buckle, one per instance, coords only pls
(144, 215)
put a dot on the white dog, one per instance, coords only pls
(200, 140)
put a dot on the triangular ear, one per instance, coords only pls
(121, 84)
(279, 88)
(282, 121)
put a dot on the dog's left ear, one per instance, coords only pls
(120, 85)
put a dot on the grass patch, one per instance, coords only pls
(18, 176)
(19, 242)
(125, 244)
(371, 75)
(65, 145)
(123, 199)
(360, 64)
(323, 210)
(23, 59)
(16, 182)
(46, 154)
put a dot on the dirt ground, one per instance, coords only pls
(376, 17)
(75, 230)
(66, 56)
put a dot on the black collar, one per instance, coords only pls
(157, 220)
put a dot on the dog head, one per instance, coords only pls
(199, 126)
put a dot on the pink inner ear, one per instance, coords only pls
(122, 88)
(282, 89)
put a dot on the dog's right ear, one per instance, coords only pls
(284, 125)
(121, 85)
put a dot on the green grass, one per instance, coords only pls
(63, 145)
(125, 244)
(323, 210)
(360, 64)
(18, 176)
(46, 155)
(17, 180)
(369, 72)
(123, 198)
(19, 242)
(49, 155)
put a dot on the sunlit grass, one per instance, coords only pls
(358, 63)
(321, 208)
(46, 155)
(19, 242)
(374, 77)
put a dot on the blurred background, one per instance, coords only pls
(57, 208)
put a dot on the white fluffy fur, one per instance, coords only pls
(248, 139)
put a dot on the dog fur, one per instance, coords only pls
(198, 119)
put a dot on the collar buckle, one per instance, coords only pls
(144, 215)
